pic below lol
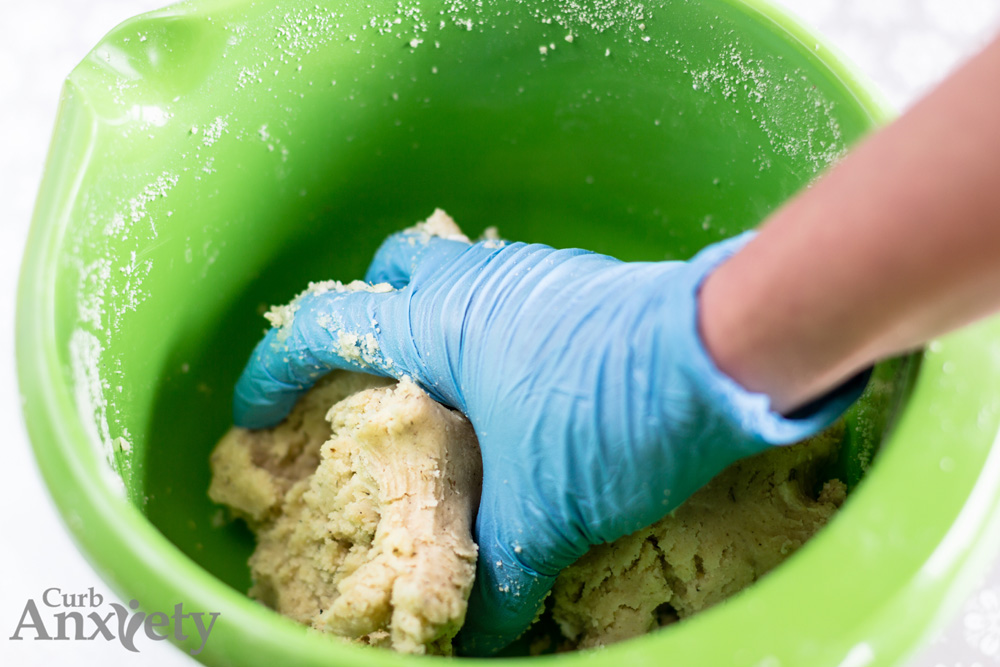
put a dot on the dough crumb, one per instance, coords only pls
(282, 317)
(439, 224)
(363, 511)
(490, 238)
(442, 225)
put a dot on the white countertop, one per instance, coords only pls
(904, 46)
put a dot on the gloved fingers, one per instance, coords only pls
(399, 256)
(320, 332)
(515, 570)
(506, 599)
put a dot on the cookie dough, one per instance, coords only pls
(730, 533)
(363, 512)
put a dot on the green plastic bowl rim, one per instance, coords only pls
(134, 557)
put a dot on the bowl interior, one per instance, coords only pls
(647, 153)
(219, 155)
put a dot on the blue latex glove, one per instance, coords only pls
(596, 406)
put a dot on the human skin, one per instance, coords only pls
(897, 244)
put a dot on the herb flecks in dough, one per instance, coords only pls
(364, 517)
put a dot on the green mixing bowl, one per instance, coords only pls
(213, 157)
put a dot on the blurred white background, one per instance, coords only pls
(904, 46)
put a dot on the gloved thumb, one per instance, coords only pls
(329, 326)
(508, 593)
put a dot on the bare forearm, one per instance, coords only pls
(897, 244)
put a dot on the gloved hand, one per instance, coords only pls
(596, 406)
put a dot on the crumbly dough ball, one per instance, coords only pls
(364, 518)
(730, 533)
